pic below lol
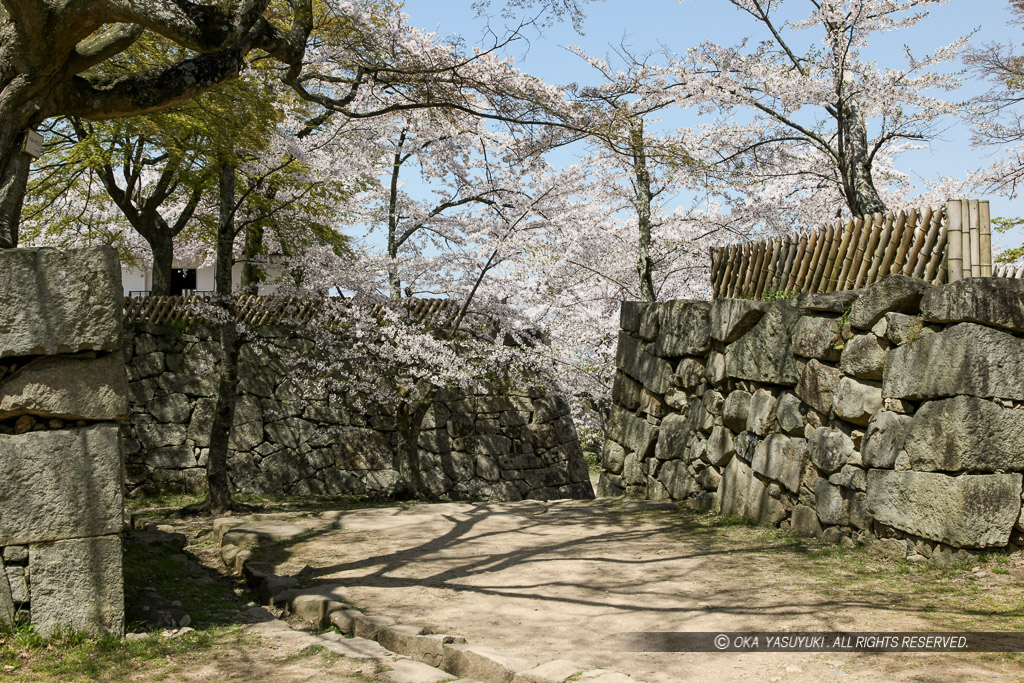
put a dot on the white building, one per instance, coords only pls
(139, 281)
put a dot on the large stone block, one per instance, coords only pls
(736, 409)
(59, 301)
(626, 391)
(817, 337)
(635, 434)
(963, 359)
(992, 301)
(684, 328)
(732, 318)
(719, 446)
(782, 459)
(77, 388)
(763, 354)
(831, 302)
(77, 585)
(677, 480)
(634, 358)
(672, 437)
(632, 313)
(830, 449)
(895, 293)
(856, 401)
(60, 484)
(742, 494)
(969, 511)
(966, 434)
(883, 439)
(829, 503)
(761, 412)
(818, 385)
(864, 357)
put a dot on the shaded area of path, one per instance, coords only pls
(561, 579)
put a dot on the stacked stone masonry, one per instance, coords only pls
(63, 390)
(478, 445)
(890, 416)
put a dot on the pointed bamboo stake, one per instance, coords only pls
(972, 212)
(819, 267)
(917, 241)
(985, 238)
(758, 269)
(778, 283)
(768, 269)
(737, 274)
(844, 247)
(937, 259)
(965, 239)
(893, 246)
(830, 257)
(869, 250)
(749, 270)
(812, 262)
(787, 265)
(954, 258)
(883, 239)
(844, 274)
(794, 273)
(805, 263)
(931, 236)
(858, 253)
(904, 246)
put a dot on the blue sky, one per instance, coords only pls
(648, 24)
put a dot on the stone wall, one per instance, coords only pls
(62, 391)
(891, 416)
(473, 445)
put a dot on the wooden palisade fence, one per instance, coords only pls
(938, 244)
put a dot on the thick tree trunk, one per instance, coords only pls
(642, 203)
(252, 274)
(162, 247)
(17, 115)
(408, 419)
(227, 390)
(855, 163)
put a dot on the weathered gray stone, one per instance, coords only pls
(170, 408)
(963, 359)
(782, 459)
(689, 374)
(626, 391)
(672, 437)
(804, 522)
(631, 314)
(850, 477)
(829, 503)
(634, 358)
(745, 444)
(713, 402)
(817, 337)
(969, 511)
(994, 301)
(613, 457)
(720, 448)
(831, 302)
(651, 404)
(15, 553)
(18, 582)
(856, 401)
(700, 418)
(677, 480)
(743, 494)
(790, 415)
(685, 328)
(902, 328)
(633, 472)
(761, 412)
(157, 434)
(677, 400)
(965, 434)
(709, 479)
(883, 439)
(830, 449)
(763, 354)
(77, 585)
(736, 409)
(484, 663)
(610, 485)
(818, 384)
(895, 293)
(732, 318)
(864, 357)
(635, 434)
(79, 388)
(716, 372)
(59, 484)
(59, 301)
(7, 611)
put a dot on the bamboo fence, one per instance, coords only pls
(262, 310)
(937, 244)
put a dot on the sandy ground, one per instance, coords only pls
(562, 579)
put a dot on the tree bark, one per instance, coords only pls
(252, 274)
(855, 162)
(14, 168)
(230, 343)
(642, 202)
(162, 247)
(408, 420)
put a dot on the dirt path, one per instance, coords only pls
(561, 579)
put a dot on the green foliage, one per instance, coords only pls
(1003, 225)
(777, 295)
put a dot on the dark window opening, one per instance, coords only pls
(182, 279)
